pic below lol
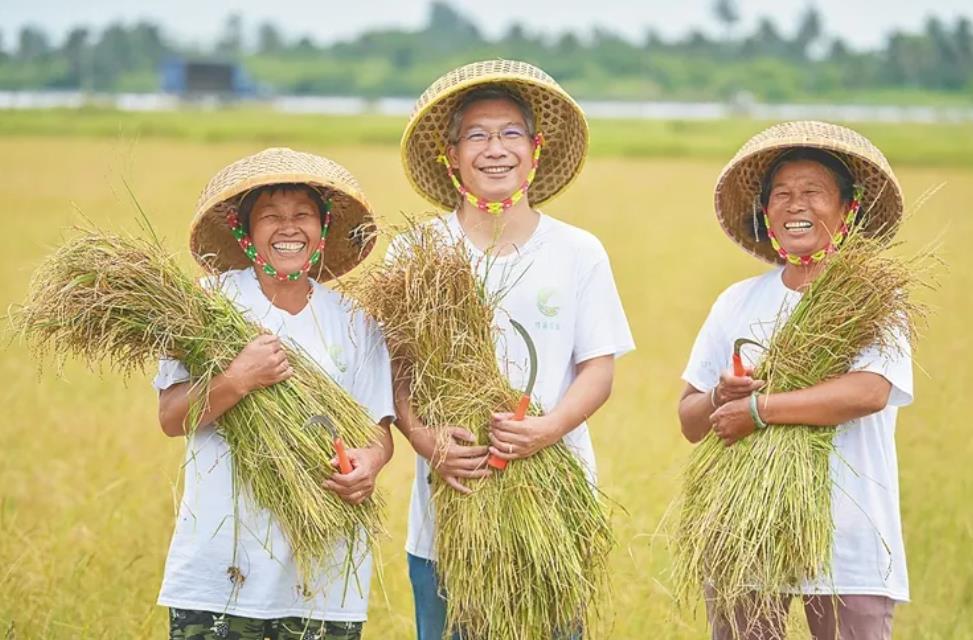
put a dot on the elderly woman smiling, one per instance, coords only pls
(790, 196)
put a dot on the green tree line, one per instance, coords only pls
(933, 63)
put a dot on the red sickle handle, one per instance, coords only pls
(499, 463)
(738, 369)
(344, 464)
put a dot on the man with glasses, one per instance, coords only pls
(474, 145)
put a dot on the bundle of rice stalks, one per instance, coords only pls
(755, 518)
(124, 301)
(525, 555)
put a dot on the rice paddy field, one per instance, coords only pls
(89, 484)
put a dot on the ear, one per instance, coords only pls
(453, 156)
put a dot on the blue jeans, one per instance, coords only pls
(430, 603)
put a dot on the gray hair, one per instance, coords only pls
(488, 92)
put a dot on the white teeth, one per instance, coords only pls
(496, 169)
(798, 224)
(288, 247)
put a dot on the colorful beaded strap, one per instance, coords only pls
(833, 245)
(498, 206)
(243, 238)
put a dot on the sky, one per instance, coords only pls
(863, 24)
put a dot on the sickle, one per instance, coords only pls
(344, 464)
(524, 404)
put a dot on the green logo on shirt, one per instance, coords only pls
(337, 355)
(544, 296)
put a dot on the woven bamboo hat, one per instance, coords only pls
(738, 187)
(558, 117)
(350, 238)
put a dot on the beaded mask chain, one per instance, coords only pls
(243, 238)
(498, 206)
(833, 245)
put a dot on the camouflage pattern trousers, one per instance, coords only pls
(206, 625)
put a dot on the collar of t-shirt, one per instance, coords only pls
(456, 229)
(251, 290)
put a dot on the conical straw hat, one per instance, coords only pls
(350, 238)
(557, 115)
(737, 197)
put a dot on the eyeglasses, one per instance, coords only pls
(511, 134)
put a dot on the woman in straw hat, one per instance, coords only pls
(788, 198)
(273, 228)
(488, 142)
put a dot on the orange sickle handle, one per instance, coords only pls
(344, 464)
(499, 463)
(738, 369)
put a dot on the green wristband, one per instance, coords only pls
(757, 420)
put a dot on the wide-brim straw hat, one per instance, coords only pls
(351, 235)
(737, 197)
(557, 116)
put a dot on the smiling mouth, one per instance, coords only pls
(288, 248)
(798, 225)
(496, 171)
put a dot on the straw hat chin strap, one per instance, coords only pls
(259, 262)
(497, 207)
(834, 243)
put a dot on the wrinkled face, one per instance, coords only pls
(493, 153)
(285, 226)
(805, 207)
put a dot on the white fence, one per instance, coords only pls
(398, 106)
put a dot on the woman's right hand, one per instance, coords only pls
(260, 364)
(732, 387)
(460, 459)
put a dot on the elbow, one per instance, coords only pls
(171, 425)
(872, 393)
(691, 435)
(606, 392)
(875, 399)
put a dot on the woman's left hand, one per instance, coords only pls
(515, 439)
(357, 485)
(732, 422)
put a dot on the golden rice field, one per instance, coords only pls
(89, 485)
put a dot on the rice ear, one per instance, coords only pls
(123, 302)
(754, 519)
(536, 535)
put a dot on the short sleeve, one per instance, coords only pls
(170, 372)
(601, 327)
(894, 364)
(710, 353)
(372, 382)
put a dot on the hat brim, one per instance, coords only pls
(557, 116)
(351, 236)
(737, 192)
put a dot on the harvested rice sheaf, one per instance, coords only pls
(525, 555)
(755, 518)
(124, 302)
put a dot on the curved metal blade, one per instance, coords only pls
(532, 354)
(739, 342)
(324, 421)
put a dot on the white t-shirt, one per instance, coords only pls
(350, 348)
(562, 291)
(868, 555)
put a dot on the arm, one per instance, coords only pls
(590, 389)
(827, 404)
(260, 364)
(459, 460)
